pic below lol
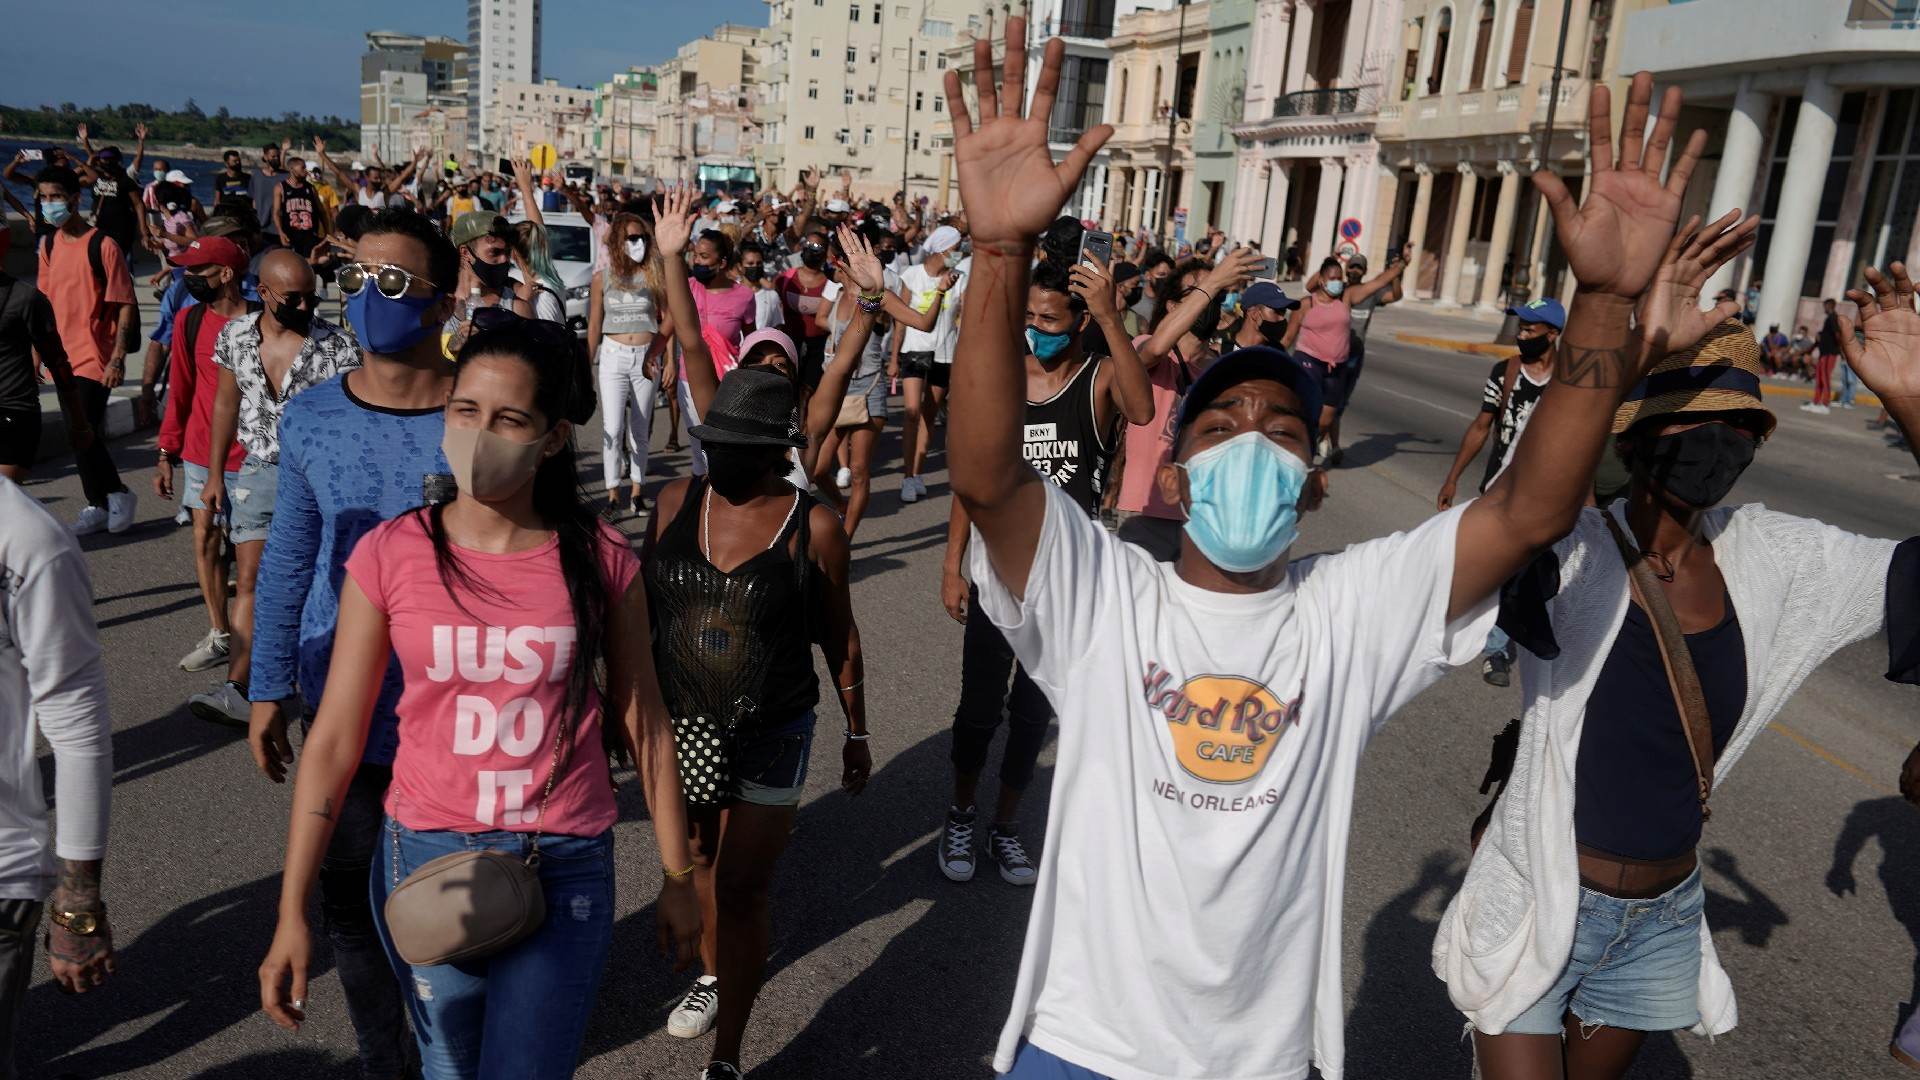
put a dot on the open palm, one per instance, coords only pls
(1670, 315)
(1616, 237)
(1008, 179)
(1889, 360)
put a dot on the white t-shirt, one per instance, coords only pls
(51, 679)
(1186, 921)
(768, 312)
(923, 291)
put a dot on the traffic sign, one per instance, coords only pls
(1350, 229)
(543, 156)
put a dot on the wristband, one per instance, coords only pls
(870, 306)
(855, 685)
(678, 873)
(851, 737)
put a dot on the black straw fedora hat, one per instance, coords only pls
(753, 407)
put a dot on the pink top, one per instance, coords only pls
(1325, 331)
(726, 316)
(485, 685)
(1150, 446)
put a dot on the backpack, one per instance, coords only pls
(197, 314)
(95, 239)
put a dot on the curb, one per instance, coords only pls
(1487, 348)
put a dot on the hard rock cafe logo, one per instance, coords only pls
(1224, 727)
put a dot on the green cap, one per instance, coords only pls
(472, 226)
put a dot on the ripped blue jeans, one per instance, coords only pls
(519, 1013)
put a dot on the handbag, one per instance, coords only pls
(472, 904)
(853, 412)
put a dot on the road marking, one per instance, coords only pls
(1451, 412)
(1832, 758)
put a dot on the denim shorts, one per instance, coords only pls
(195, 479)
(1032, 1063)
(253, 494)
(1635, 965)
(771, 769)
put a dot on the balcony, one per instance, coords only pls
(1329, 102)
(1078, 28)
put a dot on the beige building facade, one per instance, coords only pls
(704, 125)
(1156, 82)
(523, 115)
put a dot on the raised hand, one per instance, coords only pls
(1091, 281)
(1670, 315)
(861, 264)
(319, 145)
(140, 131)
(1889, 360)
(1615, 239)
(1233, 271)
(1008, 179)
(80, 134)
(673, 222)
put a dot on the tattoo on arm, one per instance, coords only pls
(1601, 368)
(326, 810)
(78, 880)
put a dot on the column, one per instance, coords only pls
(1244, 225)
(1502, 236)
(1542, 231)
(1739, 164)
(1417, 227)
(1273, 222)
(1363, 178)
(1799, 197)
(1380, 222)
(1457, 235)
(1296, 74)
(1320, 242)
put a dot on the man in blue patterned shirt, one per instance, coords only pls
(354, 451)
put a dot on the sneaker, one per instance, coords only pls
(719, 1070)
(1843, 404)
(90, 520)
(226, 704)
(1495, 669)
(843, 479)
(183, 516)
(1325, 449)
(210, 653)
(911, 489)
(120, 507)
(694, 1016)
(1820, 410)
(1906, 1045)
(956, 845)
(1015, 868)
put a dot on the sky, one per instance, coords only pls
(265, 58)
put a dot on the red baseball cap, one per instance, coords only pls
(213, 251)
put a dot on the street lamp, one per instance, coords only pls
(1519, 288)
(1173, 120)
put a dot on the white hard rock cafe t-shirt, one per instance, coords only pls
(1186, 922)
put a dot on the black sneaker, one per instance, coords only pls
(1003, 846)
(956, 845)
(1496, 668)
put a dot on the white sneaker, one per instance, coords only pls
(1820, 410)
(120, 506)
(911, 489)
(90, 520)
(956, 845)
(694, 1016)
(183, 516)
(224, 704)
(1015, 867)
(843, 479)
(210, 653)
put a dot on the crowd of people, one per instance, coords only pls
(398, 562)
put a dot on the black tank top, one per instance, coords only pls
(737, 646)
(299, 209)
(1063, 441)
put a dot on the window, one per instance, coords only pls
(807, 132)
(843, 136)
(940, 61)
(1482, 45)
(813, 89)
(853, 55)
(919, 99)
(939, 103)
(846, 96)
(876, 14)
(899, 11)
(815, 50)
(921, 61)
(1517, 46)
(1436, 76)
(866, 136)
(1893, 191)
(916, 140)
(853, 13)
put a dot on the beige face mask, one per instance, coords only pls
(489, 467)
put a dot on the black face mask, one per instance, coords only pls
(735, 470)
(1698, 466)
(1133, 296)
(703, 274)
(298, 320)
(753, 273)
(814, 258)
(1534, 348)
(1275, 332)
(201, 289)
(492, 275)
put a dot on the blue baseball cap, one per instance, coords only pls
(1267, 294)
(1247, 365)
(1544, 310)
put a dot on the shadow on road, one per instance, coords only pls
(1401, 1023)
(1892, 822)
(281, 1065)
(1378, 446)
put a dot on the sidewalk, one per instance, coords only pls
(1471, 332)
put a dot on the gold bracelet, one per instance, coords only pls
(678, 873)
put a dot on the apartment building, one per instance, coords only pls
(503, 45)
(855, 86)
(625, 113)
(705, 131)
(1222, 106)
(412, 86)
(1154, 90)
(1812, 112)
(523, 115)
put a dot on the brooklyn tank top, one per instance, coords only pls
(1063, 442)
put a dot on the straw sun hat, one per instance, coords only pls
(1720, 374)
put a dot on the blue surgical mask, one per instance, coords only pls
(388, 327)
(55, 212)
(1335, 287)
(1242, 505)
(1047, 346)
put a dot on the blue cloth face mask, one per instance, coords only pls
(1243, 496)
(1047, 346)
(385, 326)
(1335, 287)
(55, 212)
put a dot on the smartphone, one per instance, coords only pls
(32, 155)
(506, 166)
(1269, 267)
(1097, 244)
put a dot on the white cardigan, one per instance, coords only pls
(1802, 590)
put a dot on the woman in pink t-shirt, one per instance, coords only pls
(726, 317)
(493, 609)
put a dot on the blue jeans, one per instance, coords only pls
(1497, 641)
(1849, 383)
(521, 1013)
(1032, 1063)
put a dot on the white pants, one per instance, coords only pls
(691, 417)
(626, 411)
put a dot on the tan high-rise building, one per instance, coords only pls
(705, 131)
(524, 115)
(854, 86)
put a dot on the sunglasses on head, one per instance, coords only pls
(392, 281)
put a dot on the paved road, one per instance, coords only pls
(883, 968)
